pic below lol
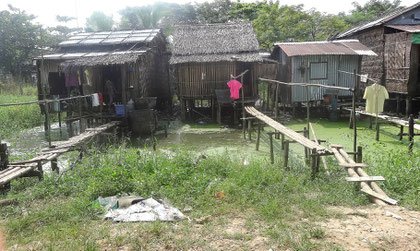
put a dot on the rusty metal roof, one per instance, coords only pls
(407, 28)
(337, 47)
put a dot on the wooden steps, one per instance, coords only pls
(379, 196)
(353, 165)
(365, 179)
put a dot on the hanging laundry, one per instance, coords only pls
(71, 80)
(88, 77)
(234, 86)
(101, 99)
(375, 96)
(95, 99)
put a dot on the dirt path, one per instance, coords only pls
(374, 228)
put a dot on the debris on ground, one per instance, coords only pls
(137, 209)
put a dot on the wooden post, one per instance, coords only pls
(305, 133)
(249, 129)
(307, 106)
(219, 114)
(282, 141)
(286, 155)
(276, 108)
(370, 122)
(359, 154)
(377, 127)
(314, 161)
(47, 123)
(54, 166)
(398, 104)
(243, 106)
(271, 148)
(40, 172)
(410, 133)
(354, 114)
(257, 144)
(4, 156)
(59, 115)
(401, 132)
(183, 109)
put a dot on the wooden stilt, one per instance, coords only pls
(410, 133)
(249, 129)
(401, 132)
(271, 148)
(47, 124)
(370, 122)
(377, 128)
(286, 155)
(282, 141)
(314, 160)
(359, 154)
(54, 166)
(257, 144)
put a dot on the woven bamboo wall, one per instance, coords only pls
(397, 61)
(201, 79)
(371, 65)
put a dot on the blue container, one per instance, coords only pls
(119, 109)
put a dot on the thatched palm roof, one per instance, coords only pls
(215, 42)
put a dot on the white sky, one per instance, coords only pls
(46, 10)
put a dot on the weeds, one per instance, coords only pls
(15, 118)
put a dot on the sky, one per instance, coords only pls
(47, 10)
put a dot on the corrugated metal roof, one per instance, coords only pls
(407, 28)
(110, 37)
(65, 56)
(337, 47)
(377, 22)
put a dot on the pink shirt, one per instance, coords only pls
(234, 86)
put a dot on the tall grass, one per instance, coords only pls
(16, 118)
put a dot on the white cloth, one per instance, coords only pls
(375, 96)
(95, 99)
(363, 78)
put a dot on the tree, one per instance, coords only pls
(98, 21)
(370, 10)
(217, 11)
(19, 40)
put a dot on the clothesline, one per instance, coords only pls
(308, 84)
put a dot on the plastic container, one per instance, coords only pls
(119, 110)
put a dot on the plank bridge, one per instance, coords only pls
(33, 167)
(315, 152)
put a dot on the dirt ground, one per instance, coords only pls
(374, 228)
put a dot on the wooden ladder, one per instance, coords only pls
(357, 174)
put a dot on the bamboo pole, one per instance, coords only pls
(354, 115)
(323, 158)
(257, 144)
(286, 154)
(271, 148)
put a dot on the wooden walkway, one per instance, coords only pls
(391, 119)
(355, 170)
(307, 143)
(33, 167)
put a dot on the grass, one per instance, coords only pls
(276, 208)
(16, 118)
(280, 199)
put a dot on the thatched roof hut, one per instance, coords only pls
(215, 43)
(205, 56)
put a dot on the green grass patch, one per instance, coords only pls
(16, 118)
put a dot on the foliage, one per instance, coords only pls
(98, 21)
(15, 118)
(18, 40)
(402, 174)
(370, 10)
(216, 11)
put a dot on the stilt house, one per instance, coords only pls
(395, 38)
(205, 56)
(135, 61)
(322, 62)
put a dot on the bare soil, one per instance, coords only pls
(374, 228)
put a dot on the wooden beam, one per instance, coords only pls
(365, 179)
(352, 165)
(379, 196)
